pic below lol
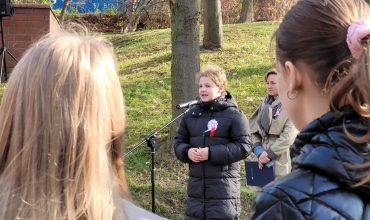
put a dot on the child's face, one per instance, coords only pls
(208, 90)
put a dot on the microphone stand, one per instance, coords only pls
(151, 141)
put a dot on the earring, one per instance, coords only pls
(292, 98)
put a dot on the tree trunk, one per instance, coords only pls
(185, 60)
(246, 14)
(63, 11)
(133, 20)
(213, 35)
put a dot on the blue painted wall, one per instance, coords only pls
(86, 6)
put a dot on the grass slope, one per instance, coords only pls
(144, 63)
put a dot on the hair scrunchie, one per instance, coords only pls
(357, 31)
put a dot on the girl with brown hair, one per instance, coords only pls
(322, 57)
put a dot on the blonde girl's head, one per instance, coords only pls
(62, 120)
(215, 73)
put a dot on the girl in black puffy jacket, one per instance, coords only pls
(213, 137)
(323, 55)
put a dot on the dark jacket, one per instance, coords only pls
(320, 185)
(214, 185)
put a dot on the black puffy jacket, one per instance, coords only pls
(320, 187)
(214, 185)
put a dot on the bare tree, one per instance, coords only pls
(132, 12)
(185, 61)
(246, 14)
(63, 11)
(213, 34)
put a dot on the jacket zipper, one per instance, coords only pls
(204, 179)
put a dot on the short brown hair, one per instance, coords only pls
(270, 72)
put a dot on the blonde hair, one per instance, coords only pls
(215, 73)
(62, 120)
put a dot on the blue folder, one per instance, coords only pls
(257, 177)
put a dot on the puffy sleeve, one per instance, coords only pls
(240, 145)
(182, 142)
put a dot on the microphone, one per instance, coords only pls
(188, 104)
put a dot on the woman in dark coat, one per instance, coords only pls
(213, 137)
(323, 54)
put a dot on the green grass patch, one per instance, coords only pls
(2, 88)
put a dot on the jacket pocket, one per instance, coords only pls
(281, 169)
